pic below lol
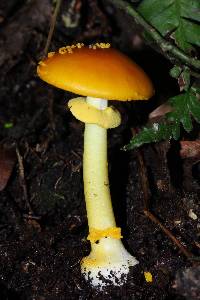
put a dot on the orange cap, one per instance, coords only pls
(96, 71)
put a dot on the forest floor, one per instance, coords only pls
(43, 225)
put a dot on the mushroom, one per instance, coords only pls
(99, 73)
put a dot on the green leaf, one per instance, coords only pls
(157, 11)
(181, 105)
(156, 133)
(179, 18)
(185, 78)
(175, 71)
(184, 107)
(175, 128)
(190, 8)
(195, 107)
(192, 32)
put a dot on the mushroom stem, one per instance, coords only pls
(95, 173)
(109, 261)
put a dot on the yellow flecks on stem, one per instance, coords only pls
(62, 50)
(69, 49)
(79, 45)
(100, 46)
(50, 54)
(97, 234)
(41, 63)
(148, 276)
(41, 68)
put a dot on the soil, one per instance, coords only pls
(43, 224)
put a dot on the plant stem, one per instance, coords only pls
(166, 46)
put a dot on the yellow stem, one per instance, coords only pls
(95, 173)
(108, 257)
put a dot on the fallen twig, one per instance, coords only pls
(23, 180)
(146, 193)
(52, 26)
(182, 248)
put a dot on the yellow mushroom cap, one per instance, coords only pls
(98, 72)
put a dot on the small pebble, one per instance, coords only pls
(192, 215)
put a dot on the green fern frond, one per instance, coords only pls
(184, 107)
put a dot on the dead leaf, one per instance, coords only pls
(160, 111)
(7, 162)
(190, 149)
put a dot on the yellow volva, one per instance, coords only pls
(99, 73)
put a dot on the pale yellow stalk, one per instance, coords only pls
(95, 174)
(108, 256)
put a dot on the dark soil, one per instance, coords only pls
(43, 225)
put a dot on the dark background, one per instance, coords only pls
(43, 225)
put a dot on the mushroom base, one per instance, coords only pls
(107, 264)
